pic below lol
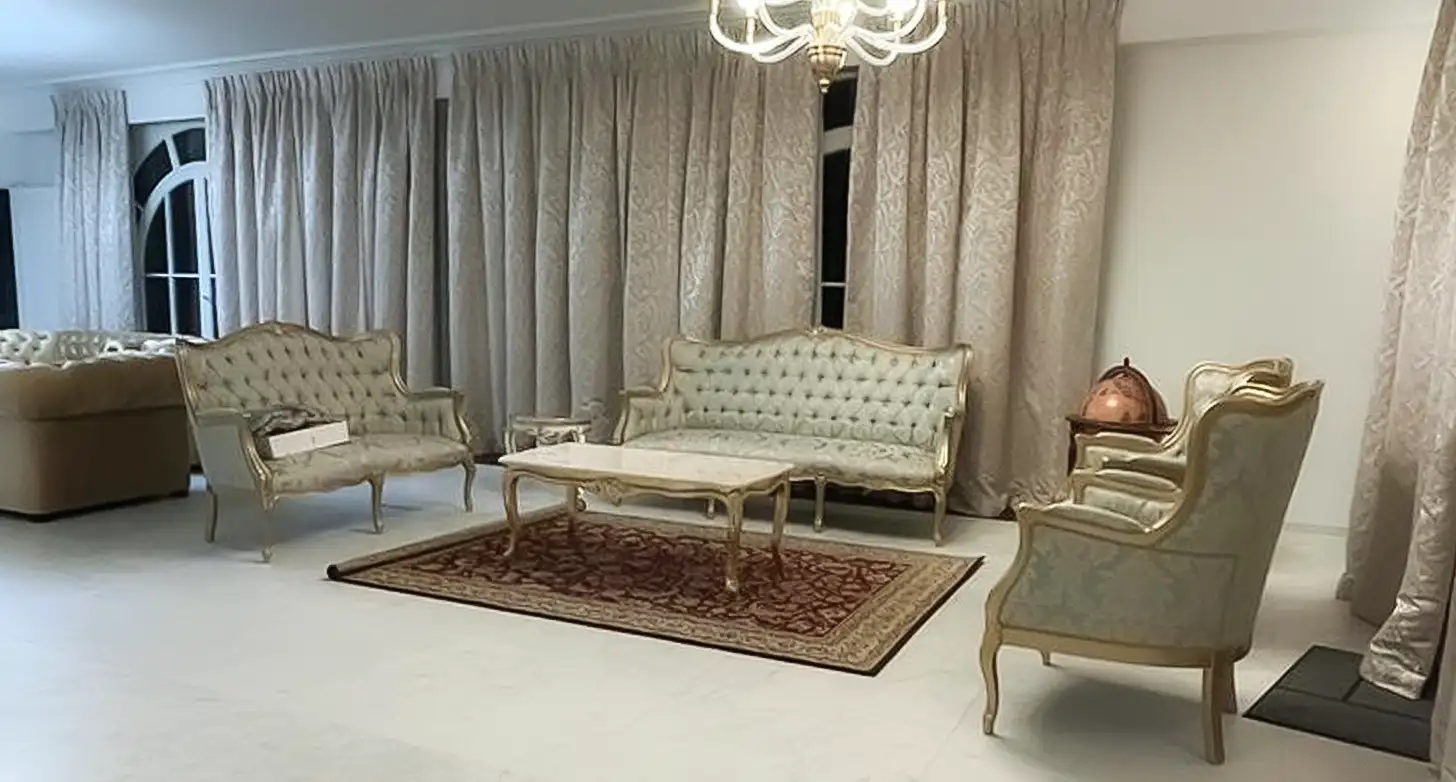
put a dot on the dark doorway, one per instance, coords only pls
(9, 296)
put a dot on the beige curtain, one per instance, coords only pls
(323, 201)
(977, 185)
(96, 260)
(1402, 521)
(607, 194)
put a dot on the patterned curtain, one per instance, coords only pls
(1402, 520)
(977, 187)
(323, 207)
(96, 211)
(606, 194)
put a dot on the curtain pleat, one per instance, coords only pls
(607, 194)
(96, 211)
(978, 180)
(324, 201)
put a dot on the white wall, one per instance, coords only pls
(1252, 210)
(36, 225)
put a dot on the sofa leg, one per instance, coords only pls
(819, 483)
(939, 518)
(469, 491)
(376, 500)
(265, 520)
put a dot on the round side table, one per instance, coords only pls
(545, 430)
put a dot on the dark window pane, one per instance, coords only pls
(154, 255)
(839, 103)
(191, 145)
(184, 230)
(189, 307)
(9, 298)
(831, 307)
(158, 305)
(834, 225)
(155, 166)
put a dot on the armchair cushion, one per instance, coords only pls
(353, 462)
(852, 461)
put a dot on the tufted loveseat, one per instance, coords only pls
(354, 379)
(843, 409)
(88, 419)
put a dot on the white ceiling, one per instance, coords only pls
(50, 40)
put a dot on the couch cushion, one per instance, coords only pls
(845, 460)
(91, 387)
(365, 455)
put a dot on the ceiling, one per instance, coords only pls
(51, 40)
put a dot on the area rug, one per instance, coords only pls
(834, 605)
(1323, 694)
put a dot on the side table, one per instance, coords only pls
(545, 430)
(1080, 425)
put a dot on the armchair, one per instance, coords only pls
(1179, 586)
(356, 379)
(1167, 458)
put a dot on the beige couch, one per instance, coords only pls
(88, 419)
(355, 379)
(843, 409)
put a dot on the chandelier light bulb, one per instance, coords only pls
(876, 31)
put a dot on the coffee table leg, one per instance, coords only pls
(573, 507)
(735, 531)
(513, 513)
(781, 516)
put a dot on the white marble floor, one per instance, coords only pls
(131, 650)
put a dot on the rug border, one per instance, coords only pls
(343, 573)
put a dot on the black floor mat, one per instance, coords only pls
(1323, 694)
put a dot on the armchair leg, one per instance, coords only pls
(265, 518)
(1214, 701)
(1230, 691)
(1046, 658)
(376, 500)
(990, 646)
(211, 533)
(939, 517)
(469, 491)
(819, 484)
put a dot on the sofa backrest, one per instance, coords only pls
(819, 383)
(281, 364)
(59, 347)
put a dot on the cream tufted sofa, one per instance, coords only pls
(88, 419)
(357, 379)
(844, 409)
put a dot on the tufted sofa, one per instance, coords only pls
(356, 379)
(88, 419)
(843, 409)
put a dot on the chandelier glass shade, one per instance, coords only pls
(877, 31)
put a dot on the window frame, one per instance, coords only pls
(158, 203)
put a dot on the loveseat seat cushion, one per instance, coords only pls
(370, 454)
(846, 461)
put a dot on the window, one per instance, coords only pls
(834, 199)
(173, 248)
(9, 296)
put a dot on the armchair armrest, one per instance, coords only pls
(1167, 468)
(644, 411)
(1131, 494)
(946, 444)
(439, 412)
(229, 455)
(1094, 449)
(1087, 520)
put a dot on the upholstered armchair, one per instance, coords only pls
(1178, 587)
(1166, 459)
(357, 380)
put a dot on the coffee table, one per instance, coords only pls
(614, 472)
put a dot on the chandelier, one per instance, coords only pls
(876, 30)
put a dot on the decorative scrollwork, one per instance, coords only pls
(609, 489)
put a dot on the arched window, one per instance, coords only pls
(172, 243)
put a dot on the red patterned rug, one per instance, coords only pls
(834, 605)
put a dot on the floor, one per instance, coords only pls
(130, 649)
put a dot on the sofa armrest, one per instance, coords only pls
(229, 455)
(645, 411)
(438, 412)
(947, 445)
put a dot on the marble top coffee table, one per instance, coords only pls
(613, 473)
